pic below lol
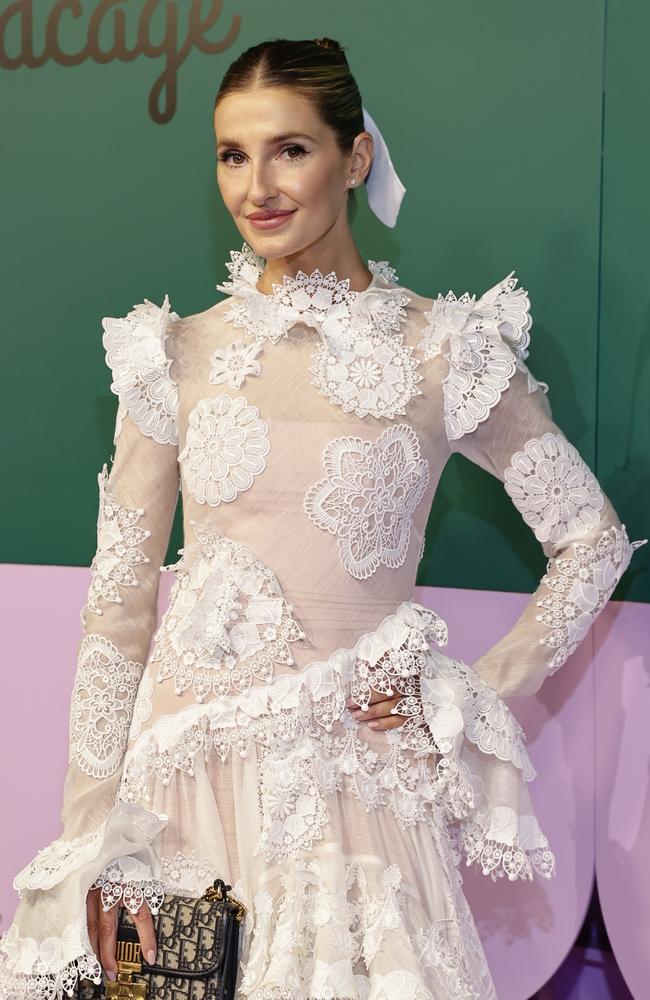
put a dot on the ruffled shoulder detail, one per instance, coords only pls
(136, 355)
(487, 339)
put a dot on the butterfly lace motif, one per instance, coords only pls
(361, 364)
(486, 341)
(135, 352)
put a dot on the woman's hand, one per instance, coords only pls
(102, 931)
(378, 714)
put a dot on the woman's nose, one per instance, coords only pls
(261, 186)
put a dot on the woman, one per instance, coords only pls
(295, 728)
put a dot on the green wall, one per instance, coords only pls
(521, 132)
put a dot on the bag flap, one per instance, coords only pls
(192, 936)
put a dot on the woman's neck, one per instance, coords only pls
(340, 256)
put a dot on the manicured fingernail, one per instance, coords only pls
(151, 956)
(111, 975)
(373, 725)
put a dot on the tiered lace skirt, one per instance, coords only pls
(345, 844)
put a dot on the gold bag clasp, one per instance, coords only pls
(129, 960)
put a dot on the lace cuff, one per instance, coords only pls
(130, 883)
(47, 948)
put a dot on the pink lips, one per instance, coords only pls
(269, 220)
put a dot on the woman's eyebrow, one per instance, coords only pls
(271, 141)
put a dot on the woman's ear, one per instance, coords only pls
(361, 157)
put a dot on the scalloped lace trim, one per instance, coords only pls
(48, 970)
(128, 882)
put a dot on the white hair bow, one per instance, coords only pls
(385, 189)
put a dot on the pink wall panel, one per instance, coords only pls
(622, 713)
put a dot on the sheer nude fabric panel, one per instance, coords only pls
(143, 475)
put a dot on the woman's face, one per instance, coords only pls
(280, 171)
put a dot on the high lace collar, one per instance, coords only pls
(323, 302)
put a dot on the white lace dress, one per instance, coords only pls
(307, 431)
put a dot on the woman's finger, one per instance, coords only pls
(92, 919)
(107, 940)
(143, 921)
(375, 696)
(378, 710)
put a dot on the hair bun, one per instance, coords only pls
(329, 43)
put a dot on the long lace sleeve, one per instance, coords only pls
(499, 416)
(47, 946)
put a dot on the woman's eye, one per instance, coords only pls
(225, 157)
(295, 149)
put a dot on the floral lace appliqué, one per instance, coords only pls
(293, 807)
(376, 376)
(135, 352)
(487, 341)
(54, 862)
(225, 448)
(553, 488)
(187, 874)
(118, 540)
(227, 621)
(101, 707)
(234, 363)
(368, 497)
(579, 586)
(358, 939)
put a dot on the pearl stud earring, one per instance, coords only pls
(353, 180)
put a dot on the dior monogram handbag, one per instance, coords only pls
(197, 951)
